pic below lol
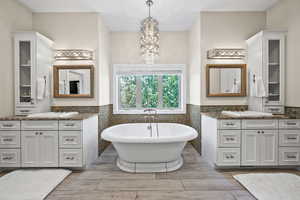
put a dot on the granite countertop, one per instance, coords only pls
(219, 115)
(74, 117)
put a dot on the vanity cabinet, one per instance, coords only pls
(49, 143)
(33, 62)
(251, 142)
(266, 66)
(259, 147)
(39, 149)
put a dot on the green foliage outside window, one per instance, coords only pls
(170, 91)
(149, 91)
(128, 91)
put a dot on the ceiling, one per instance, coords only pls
(125, 15)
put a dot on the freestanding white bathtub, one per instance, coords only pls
(139, 152)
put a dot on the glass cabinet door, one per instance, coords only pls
(274, 71)
(25, 69)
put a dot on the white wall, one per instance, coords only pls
(285, 15)
(71, 31)
(125, 48)
(226, 30)
(13, 17)
(194, 70)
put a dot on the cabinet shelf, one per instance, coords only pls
(273, 83)
(25, 66)
(274, 95)
(26, 86)
(273, 64)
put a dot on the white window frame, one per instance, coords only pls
(127, 68)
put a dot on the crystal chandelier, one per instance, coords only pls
(149, 37)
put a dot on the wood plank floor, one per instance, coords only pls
(196, 180)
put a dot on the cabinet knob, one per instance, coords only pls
(262, 132)
(36, 133)
(258, 132)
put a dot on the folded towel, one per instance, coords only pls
(41, 88)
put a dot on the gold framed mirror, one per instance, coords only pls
(73, 81)
(226, 80)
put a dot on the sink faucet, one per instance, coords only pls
(151, 119)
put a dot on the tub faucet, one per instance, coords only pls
(151, 119)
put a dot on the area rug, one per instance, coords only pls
(281, 186)
(30, 184)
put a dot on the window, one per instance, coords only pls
(137, 87)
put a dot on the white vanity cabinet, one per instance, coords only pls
(251, 142)
(33, 62)
(49, 143)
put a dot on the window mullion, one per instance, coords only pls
(138, 92)
(160, 91)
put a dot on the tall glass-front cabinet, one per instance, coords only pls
(33, 62)
(266, 67)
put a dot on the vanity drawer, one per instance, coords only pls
(229, 138)
(10, 158)
(229, 124)
(289, 138)
(10, 139)
(49, 125)
(274, 109)
(70, 158)
(289, 156)
(260, 124)
(10, 125)
(228, 157)
(70, 139)
(23, 111)
(70, 125)
(289, 124)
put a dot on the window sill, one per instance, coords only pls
(141, 112)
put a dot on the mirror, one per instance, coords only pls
(73, 81)
(226, 80)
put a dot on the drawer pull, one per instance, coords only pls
(70, 158)
(70, 125)
(291, 157)
(24, 111)
(229, 124)
(8, 125)
(291, 123)
(7, 140)
(230, 139)
(8, 158)
(291, 138)
(69, 140)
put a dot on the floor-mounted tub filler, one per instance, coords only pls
(144, 147)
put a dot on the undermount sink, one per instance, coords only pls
(53, 115)
(246, 114)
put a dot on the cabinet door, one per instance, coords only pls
(48, 148)
(30, 148)
(269, 147)
(250, 148)
(274, 69)
(24, 47)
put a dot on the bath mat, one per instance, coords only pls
(30, 184)
(281, 186)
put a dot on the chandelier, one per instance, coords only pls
(149, 40)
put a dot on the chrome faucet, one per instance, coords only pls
(151, 119)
